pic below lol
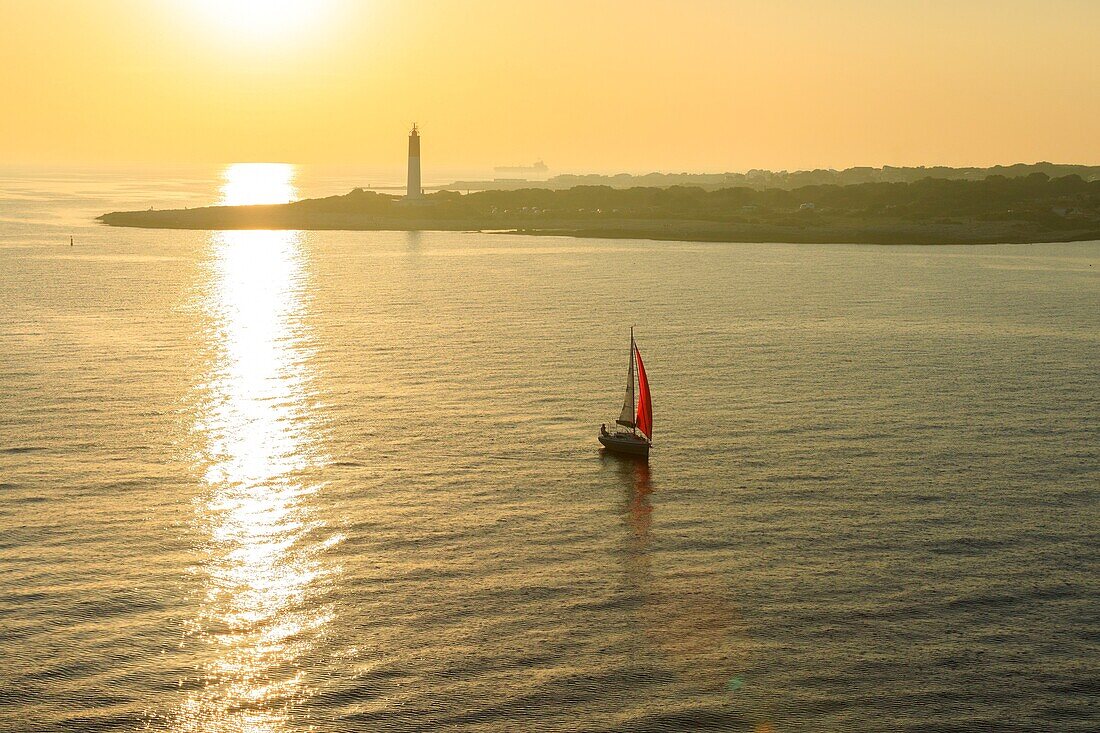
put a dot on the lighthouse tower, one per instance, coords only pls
(413, 191)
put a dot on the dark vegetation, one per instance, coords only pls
(1034, 198)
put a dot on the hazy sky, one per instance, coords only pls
(589, 85)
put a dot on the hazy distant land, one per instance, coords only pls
(764, 179)
(995, 208)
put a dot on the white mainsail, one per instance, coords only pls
(626, 417)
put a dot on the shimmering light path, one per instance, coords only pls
(264, 563)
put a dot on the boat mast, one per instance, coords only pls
(627, 416)
(634, 423)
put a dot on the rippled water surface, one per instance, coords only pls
(337, 481)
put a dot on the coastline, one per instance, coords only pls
(931, 211)
(828, 231)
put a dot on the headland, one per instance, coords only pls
(994, 209)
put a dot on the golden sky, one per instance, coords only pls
(588, 85)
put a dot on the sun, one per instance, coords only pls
(260, 20)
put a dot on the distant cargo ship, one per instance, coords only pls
(537, 167)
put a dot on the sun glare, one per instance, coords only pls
(247, 184)
(260, 19)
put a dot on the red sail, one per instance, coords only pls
(644, 419)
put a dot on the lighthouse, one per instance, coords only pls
(412, 191)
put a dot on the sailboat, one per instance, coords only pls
(637, 417)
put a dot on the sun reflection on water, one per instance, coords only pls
(264, 567)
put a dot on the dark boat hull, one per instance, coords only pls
(627, 444)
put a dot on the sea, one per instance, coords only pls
(289, 482)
